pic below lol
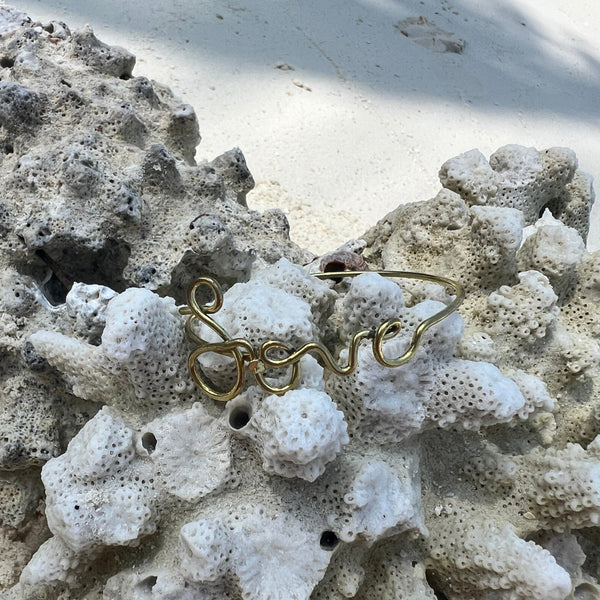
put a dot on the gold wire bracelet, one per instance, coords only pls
(258, 359)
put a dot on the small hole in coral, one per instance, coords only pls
(239, 417)
(453, 227)
(54, 290)
(586, 591)
(7, 62)
(149, 442)
(148, 582)
(432, 581)
(328, 540)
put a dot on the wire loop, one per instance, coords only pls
(263, 366)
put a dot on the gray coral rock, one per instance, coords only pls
(100, 192)
(99, 176)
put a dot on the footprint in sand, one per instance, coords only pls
(427, 34)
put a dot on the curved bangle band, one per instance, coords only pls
(258, 358)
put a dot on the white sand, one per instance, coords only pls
(367, 115)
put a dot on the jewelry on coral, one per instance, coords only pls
(258, 359)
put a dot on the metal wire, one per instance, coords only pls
(258, 358)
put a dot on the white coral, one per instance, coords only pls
(276, 558)
(317, 493)
(525, 311)
(260, 310)
(471, 175)
(257, 311)
(492, 469)
(96, 493)
(204, 548)
(476, 558)
(580, 354)
(497, 232)
(553, 249)
(370, 301)
(295, 280)
(109, 487)
(86, 304)
(563, 486)
(382, 501)
(515, 176)
(142, 360)
(472, 394)
(272, 556)
(299, 433)
(190, 452)
(53, 562)
(381, 403)
(534, 391)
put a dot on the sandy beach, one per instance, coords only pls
(346, 109)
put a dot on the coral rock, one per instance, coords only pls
(298, 433)
(486, 560)
(471, 471)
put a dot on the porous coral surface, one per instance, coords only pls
(470, 472)
(101, 194)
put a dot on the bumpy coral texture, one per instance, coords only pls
(336, 471)
(470, 472)
(531, 310)
(101, 192)
(299, 433)
(99, 173)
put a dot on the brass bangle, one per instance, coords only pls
(242, 351)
